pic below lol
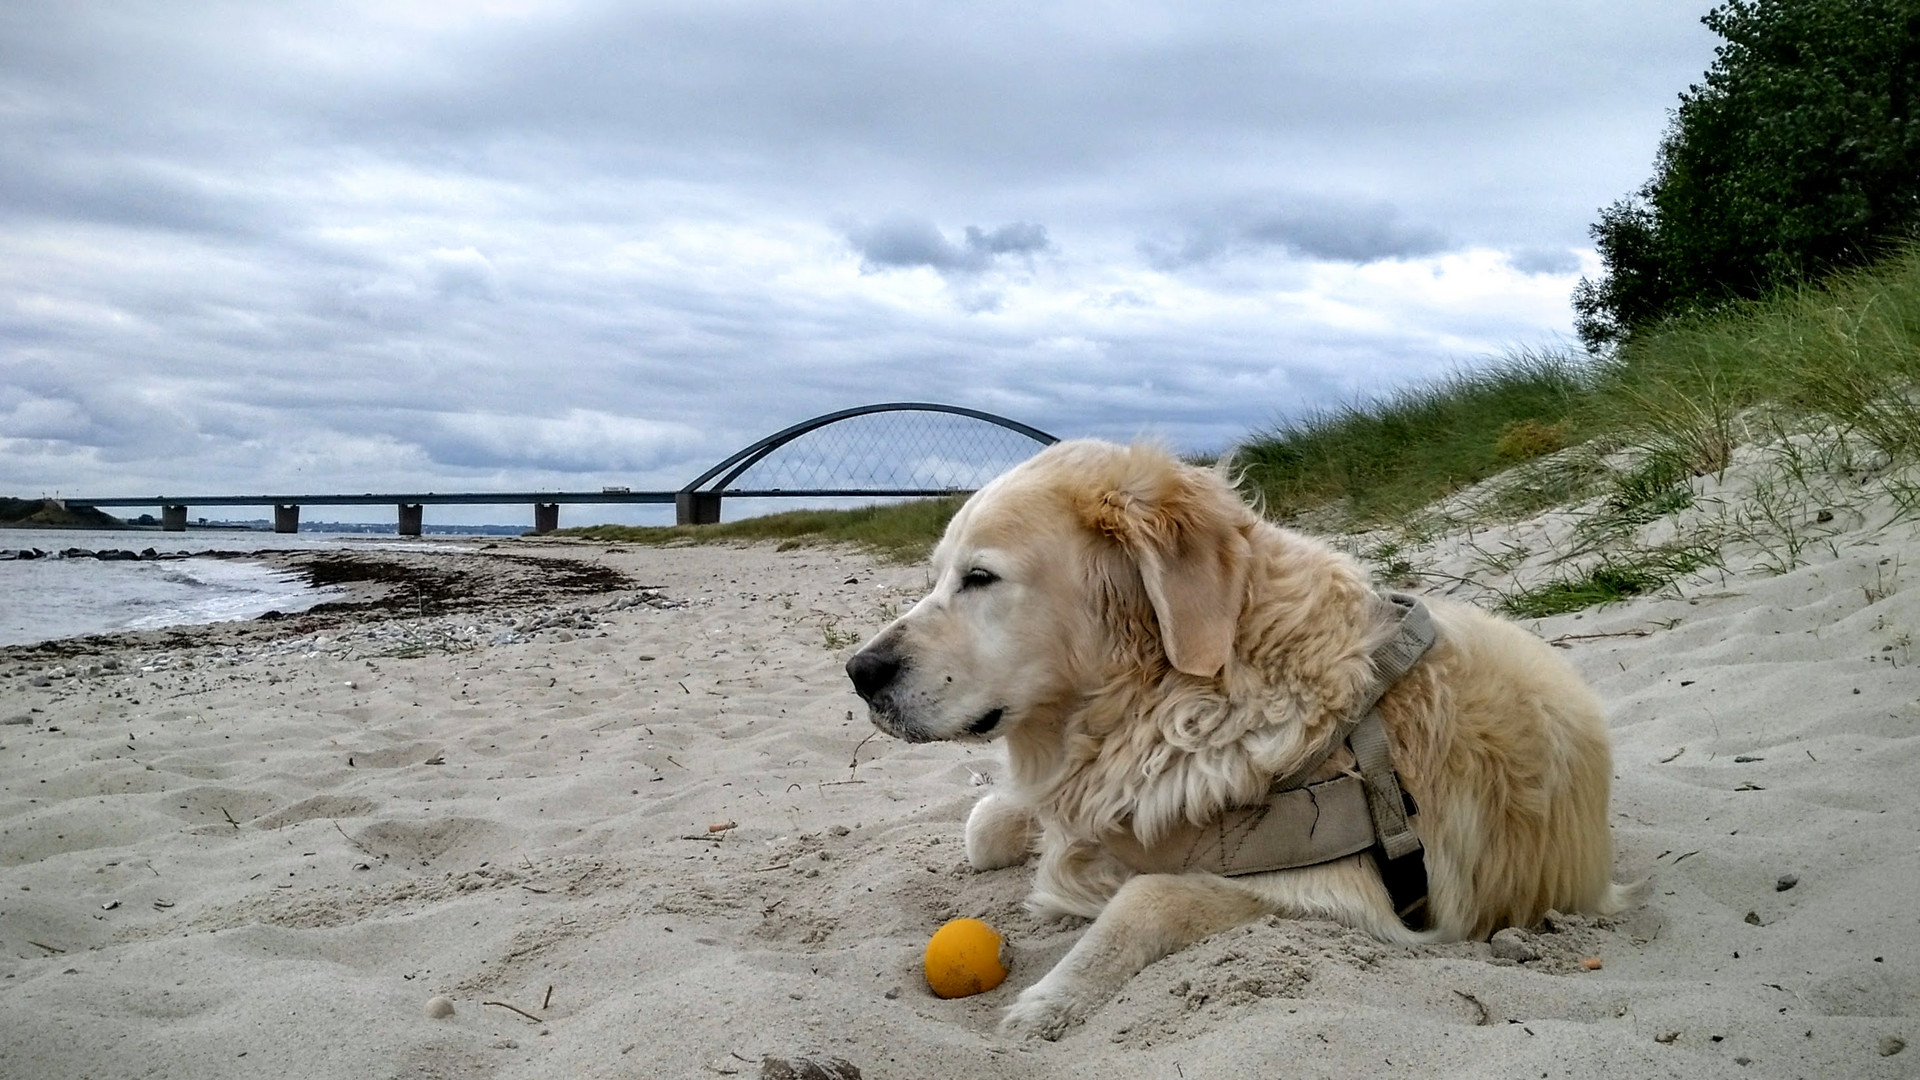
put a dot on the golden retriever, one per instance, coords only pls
(1154, 653)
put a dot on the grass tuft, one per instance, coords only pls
(1615, 577)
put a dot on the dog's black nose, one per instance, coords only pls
(871, 670)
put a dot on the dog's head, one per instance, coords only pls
(1085, 558)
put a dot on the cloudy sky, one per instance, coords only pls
(513, 244)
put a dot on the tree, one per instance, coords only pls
(1798, 155)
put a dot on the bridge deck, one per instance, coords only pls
(476, 498)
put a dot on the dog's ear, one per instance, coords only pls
(1183, 528)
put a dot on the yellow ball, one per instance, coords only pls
(963, 957)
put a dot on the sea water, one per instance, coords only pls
(51, 598)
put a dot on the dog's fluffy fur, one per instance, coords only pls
(1154, 653)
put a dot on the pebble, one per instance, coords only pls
(1785, 882)
(1892, 1045)
(1515, 944)
(439, 1007)
(773, 1068)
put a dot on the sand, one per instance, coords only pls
(660, 839)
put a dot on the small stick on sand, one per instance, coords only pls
(49, 948)
(1590, 637)
(854, 765)
(511, 1008)
(548, 1000)
(229, 817)
(357, 845)
(1486, 1017)
(674, 763)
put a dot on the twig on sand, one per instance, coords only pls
(548, 1000)
(674, 763)
(1486, 1017)
(229, 817)
(1673, 755)
(854, 765)
(512, 1008)
(357, 845)
(42, 945)
(1564, 638)
(775, 866)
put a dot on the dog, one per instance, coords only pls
(1155, 654)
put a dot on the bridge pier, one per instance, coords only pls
(409, 519)
(546, 518)
(696, 508)
(173, 518)
(286, 518)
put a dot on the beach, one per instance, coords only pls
(618, 808)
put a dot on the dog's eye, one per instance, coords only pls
(977, 578)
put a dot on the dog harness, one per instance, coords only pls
(1306, 824)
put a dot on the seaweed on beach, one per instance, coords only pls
(440, 585)
(393, 585)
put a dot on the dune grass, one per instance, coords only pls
(1846, 352)
(1381, 460)
(901, 532)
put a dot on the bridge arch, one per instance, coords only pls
(698, 503)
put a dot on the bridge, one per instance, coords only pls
(902, 449)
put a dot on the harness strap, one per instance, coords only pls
(1385, 801)
(1302, 826)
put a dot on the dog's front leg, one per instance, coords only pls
(1151, 916)
(1000, 832)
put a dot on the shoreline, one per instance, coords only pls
(421, 582)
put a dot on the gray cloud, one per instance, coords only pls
(1534, 260)
(908, 242)
(1307, 228)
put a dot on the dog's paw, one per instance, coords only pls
(1039, 1014)
(999, 833)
